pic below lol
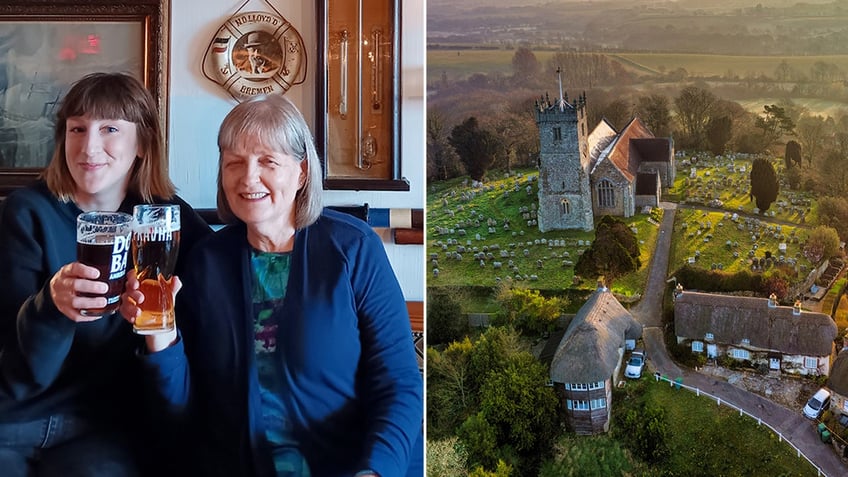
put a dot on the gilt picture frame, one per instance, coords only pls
(45, 46)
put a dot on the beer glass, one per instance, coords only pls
(155, 243)
(103, 240)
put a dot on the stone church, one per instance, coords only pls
(583, 173)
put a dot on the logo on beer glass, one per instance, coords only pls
(155, 244)
(103, 240)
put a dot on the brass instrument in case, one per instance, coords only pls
(360, 94)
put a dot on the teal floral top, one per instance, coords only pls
(270, 277)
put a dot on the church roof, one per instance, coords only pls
(589, 349)
(621, 152)
(600, 138)
(620, 155)
(733, 318)
(653, 149)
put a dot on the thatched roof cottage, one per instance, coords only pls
(838, 382)
(758, 330)
(588, 359)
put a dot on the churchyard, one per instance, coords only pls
(732, 242)
(486, 234)
(718, 226)
(723, 182)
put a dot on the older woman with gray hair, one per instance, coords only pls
(298, 344)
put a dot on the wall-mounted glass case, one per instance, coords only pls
(359, 94)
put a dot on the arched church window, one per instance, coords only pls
(564, 207)
(606, 194)
(557, 134)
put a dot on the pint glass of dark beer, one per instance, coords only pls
(155, 243)
(103, 240)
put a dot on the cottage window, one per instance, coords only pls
(596, 385)
(697, 346)
(709, 337)
(557, 134)
(600, 403)
(580, 404)
(606, 194)
(740, 353)
(746, 341)
(811, 363)
(579, 386)
(564, 207)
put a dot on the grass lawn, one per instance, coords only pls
(703, 235)
(706, 439)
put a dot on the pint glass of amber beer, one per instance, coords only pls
(155, 243)
(103, 240)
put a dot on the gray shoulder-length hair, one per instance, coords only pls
(276, 123)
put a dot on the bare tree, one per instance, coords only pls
(693, 106)
(525, 66)
(654, 111)
(811, 132)
(442, 161)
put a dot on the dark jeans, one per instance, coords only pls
(64, 446)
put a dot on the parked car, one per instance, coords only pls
(635, 364)
(817, 404)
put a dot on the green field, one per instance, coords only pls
(461, 63)
(706, 66)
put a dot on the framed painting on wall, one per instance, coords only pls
(45, 46)
(358, 100)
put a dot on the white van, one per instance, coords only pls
(817, 404)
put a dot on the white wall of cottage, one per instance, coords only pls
(197, 106)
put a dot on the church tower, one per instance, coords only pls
(565, 197)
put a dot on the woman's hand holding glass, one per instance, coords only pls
(68, 286)
(130, 310)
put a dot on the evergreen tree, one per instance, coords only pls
(719, 132)
(475, 146)
(615, 251)
(764, 184)
(445, 320)
(793, 154)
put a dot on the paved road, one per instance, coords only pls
(789, 422)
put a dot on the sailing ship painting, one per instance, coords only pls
(38, 63)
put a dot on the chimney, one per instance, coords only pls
(601, 286)
(678, 290)
(796, 310)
